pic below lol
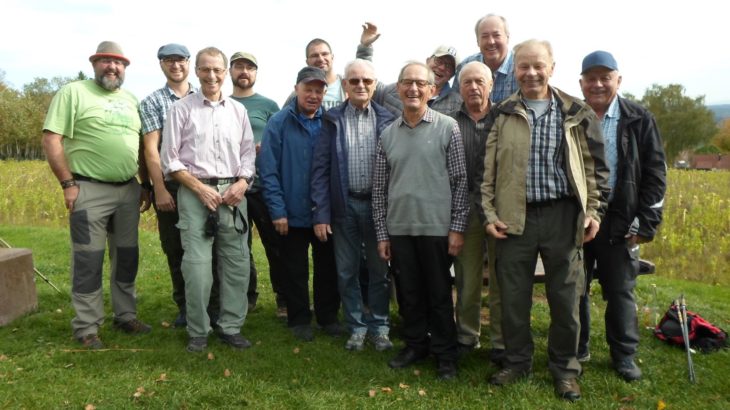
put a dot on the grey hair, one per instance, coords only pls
(483, 67)
(430, 75)
(504, 22)
(211, 51)
(359, 61)
(534, 42)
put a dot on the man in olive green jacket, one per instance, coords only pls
(544, 191)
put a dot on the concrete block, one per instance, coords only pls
(17, 285)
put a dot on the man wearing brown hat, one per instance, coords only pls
(91, 140)
(286, 160)
(244, 68)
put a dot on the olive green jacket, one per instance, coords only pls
(503, 171)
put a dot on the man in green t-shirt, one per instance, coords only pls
(91, 138)
(244, 68)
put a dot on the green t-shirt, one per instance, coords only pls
(101, 130)
(259, 109)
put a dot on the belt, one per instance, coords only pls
(79, 177)
(361, 195)
(547, 202)
(218, 181)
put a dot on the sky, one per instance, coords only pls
(654, 42)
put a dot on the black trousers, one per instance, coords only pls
(258, 214)
(421, 270)
(616, 266)
(295, 246)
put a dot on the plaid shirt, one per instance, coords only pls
(153, 109)
(361, 142)
(546, 178)
(504, 84)
(456, 169)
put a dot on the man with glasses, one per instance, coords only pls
(244, 68)
(420, 210)
(91, 140)
(208, 147)
(341, 191)
(153, 111)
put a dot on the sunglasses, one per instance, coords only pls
(356, 81)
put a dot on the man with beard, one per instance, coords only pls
(244, 68)
(208, 147)
(91, 139)
(153, 111)
(493, 41)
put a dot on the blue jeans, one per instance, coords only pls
(349, 234)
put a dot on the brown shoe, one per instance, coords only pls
(132, 327)
(91, 342)
(567, 389)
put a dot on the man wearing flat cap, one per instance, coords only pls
(244, 68)
(91, 137)
(286, 160)
(636, 161)
(174, 62)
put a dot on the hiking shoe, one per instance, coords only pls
(236, 341)
(627, 369)
(281, 312)
(303, 332)
(197, 344)
(181, 320)
(509, 375)
(446, 370)
(381, 342)
(567, 389)
(91, 341)
(406, 357)
(584, 357)
(333, 329)
(132, 327)
(356, 342)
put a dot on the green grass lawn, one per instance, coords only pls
(41, 368)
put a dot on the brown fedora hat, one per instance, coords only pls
(109, 49)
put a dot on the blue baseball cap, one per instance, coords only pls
(172, 49)
(599, 59)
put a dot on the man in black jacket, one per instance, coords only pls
(635, 157)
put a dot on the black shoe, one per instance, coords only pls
(627, 369)
(496, 356)
(181, 320)
(235, 341)
(197, 344)
(567, 389)
(405, 358)
(334, 329)
(446, 370)
(509, 375)
(303, 332)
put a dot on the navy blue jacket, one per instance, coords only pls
(286, 159)
(330, 178)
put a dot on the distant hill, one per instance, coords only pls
(721, 111)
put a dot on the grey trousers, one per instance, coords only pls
(103, 212)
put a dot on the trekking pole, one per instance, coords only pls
(682, 315)
(684, 323)
(37, 272)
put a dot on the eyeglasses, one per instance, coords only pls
(175, 60)
(208, 70)
(110, 61)
(419, 83)
(356, 81)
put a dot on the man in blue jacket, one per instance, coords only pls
(286, 160)
(635, 158)
(342, 191)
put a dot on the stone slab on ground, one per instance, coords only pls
(17, 284)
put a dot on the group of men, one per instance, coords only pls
(381, 181)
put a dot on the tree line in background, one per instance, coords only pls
(685, 123)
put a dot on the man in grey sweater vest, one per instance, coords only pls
(420, 211)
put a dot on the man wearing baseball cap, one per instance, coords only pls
(286, 160)
(91, 140)
(244, 68)
(636, 161)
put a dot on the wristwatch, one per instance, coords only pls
(68, 183)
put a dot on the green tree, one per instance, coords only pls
(722, 138)
(685, 123)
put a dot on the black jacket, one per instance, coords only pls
(638, 196)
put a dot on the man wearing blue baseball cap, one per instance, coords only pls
(635, 158)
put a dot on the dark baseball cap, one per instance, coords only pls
(309, 74)
(599, 59)
(172, 49)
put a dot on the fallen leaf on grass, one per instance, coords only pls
(416, 372)
(258, 343)
(211, 356)
(296, 350)
(421, 392)
(139, 392)
(660, 405)
(68, 366)
(165, 324)
(403, 385)
(226, 373)
(372, 393)
(386, 390)
(162, 378)
(3, 358)
(59, 311)
(627, 399)
(89, 407)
